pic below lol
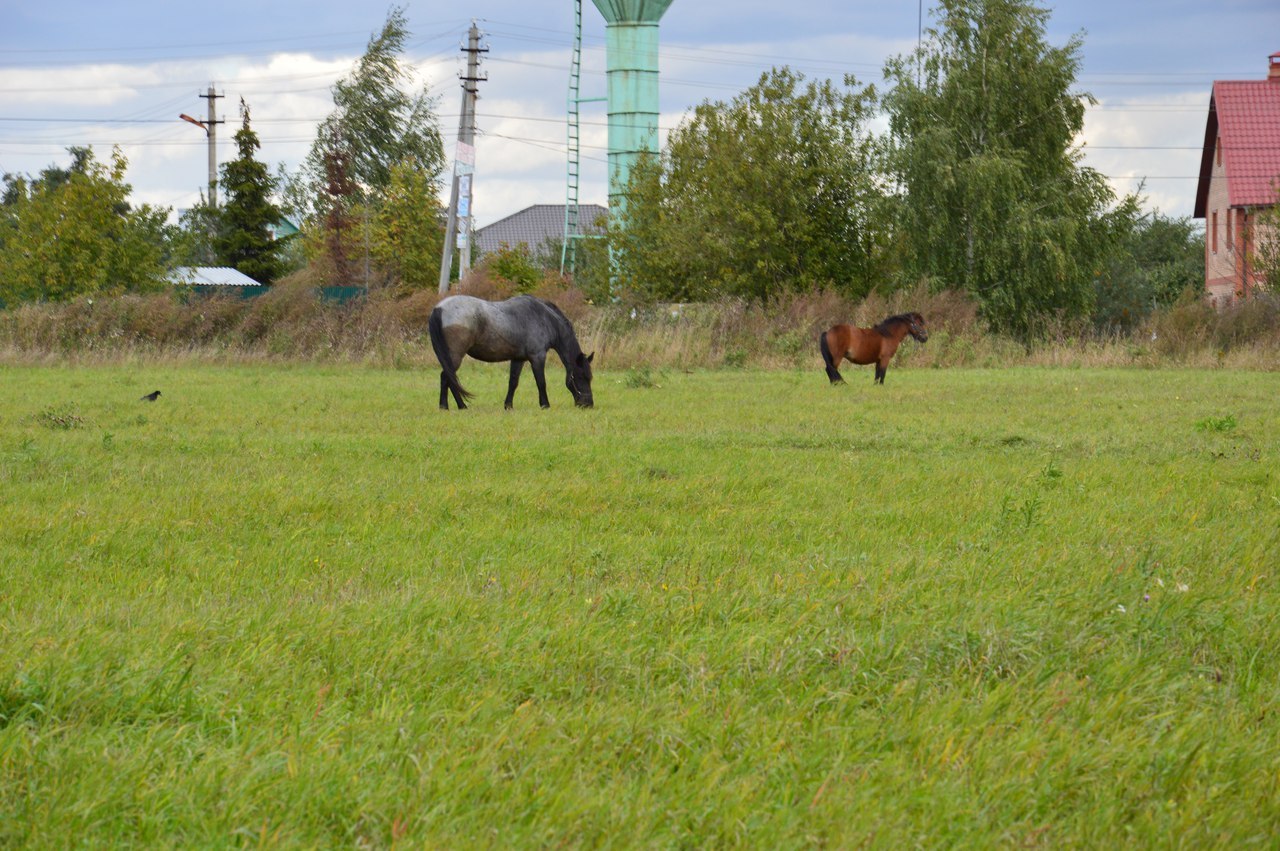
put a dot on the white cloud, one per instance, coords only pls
(521, 143)
(136, 107)
(1151, 138)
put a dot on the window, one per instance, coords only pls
(1213, 233)
(1217, 150)
(1231, 245)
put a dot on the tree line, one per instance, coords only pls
(963, 172)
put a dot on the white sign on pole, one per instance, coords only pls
(465, 159)
(464, 196)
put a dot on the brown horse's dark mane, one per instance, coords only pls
(885, 328)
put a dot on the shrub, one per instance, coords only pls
(513, 265)
(292, 321)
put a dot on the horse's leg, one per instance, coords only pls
(830, 359)
(536, 363)
(444, 392)
(457, 397)
(882, 366)
(516, 366)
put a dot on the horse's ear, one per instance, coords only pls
(590, 357)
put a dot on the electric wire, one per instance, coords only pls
(271, 85)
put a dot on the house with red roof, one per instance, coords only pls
(1239, 179)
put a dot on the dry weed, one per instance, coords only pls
(385, 328)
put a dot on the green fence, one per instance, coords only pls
(338, 295)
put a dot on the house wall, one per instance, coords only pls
(1220, 277)
(1229, 270)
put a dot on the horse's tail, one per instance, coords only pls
(825, 348)
(435, 327)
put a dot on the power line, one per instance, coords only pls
(702, 55)
(187, 56)
(185, 84)
(1190, 76)
(192, 46)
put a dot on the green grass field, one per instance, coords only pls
(302, 607)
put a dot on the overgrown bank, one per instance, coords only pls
(293, 323)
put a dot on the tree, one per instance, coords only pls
(376, 123)
(994, 197)
(193, 243)
(72, 232)
(244, 237)
(1264, 243)
(334, 245)
(1157, 260)
(408, 234)
(773, 191)
(376, 128)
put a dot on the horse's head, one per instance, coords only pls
(578, 379)
(915, 324)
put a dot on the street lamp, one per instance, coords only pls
(210, 132)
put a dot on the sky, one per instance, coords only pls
(89, 73)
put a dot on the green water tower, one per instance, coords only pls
(631, 40)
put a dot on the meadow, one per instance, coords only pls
(299, 606)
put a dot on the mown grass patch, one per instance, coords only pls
(303, 607)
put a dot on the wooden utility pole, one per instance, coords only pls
(458, 229)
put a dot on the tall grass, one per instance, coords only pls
(292, 323)
(298, 606)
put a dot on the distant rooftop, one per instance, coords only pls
(211, 276)
(534, 226)
(1244, 117)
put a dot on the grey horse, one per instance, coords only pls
(519, 329)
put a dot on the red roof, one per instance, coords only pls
(1245, 115)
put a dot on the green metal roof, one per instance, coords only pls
(632, 11)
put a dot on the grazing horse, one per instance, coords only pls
(519, 329)
(868, 345)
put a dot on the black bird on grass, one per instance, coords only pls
(150, 397)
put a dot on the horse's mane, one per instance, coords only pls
(562, 322)
(556, 310)
(885, 327)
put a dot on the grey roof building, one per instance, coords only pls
(211, 276)
(534, 225)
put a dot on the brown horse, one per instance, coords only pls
(868, 345)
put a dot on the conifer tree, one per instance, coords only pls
(245, 239)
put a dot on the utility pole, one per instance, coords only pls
(213, 123)
(210, 127)
(458, 229)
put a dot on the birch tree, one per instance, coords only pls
(984, 119)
